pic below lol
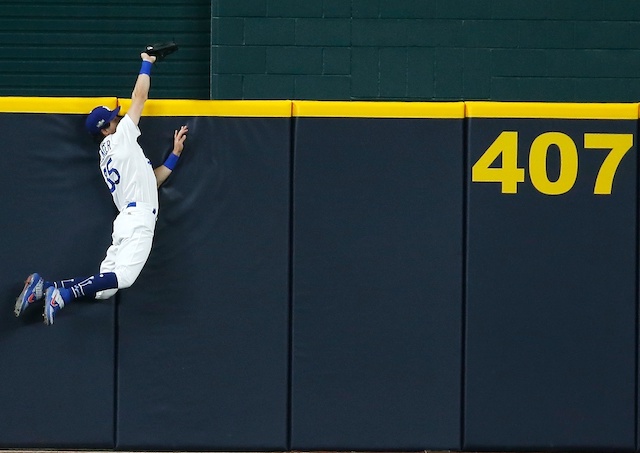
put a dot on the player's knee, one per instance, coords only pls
(126, 276)
(107, 293)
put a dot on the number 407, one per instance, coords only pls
(509, 175)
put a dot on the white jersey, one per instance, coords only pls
(125, 169)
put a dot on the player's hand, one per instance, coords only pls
(179, 136)
(146, 57)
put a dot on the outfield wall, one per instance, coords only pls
(331, 276)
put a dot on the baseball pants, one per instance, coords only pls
(132, 238)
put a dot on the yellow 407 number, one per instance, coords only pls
(509, 175)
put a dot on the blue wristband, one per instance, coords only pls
(171, 161)
(146, 68)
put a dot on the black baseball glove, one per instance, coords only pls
(161, 50)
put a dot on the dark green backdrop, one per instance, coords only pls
(548, 50)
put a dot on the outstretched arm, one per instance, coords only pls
(164, 170)
(140, 92)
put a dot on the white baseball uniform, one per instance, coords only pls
(130, 179)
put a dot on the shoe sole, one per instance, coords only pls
(21, 302)
(45, 314)
(48, 320)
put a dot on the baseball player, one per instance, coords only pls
(133, 183)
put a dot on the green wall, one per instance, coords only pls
(81, 48)
(547, 50)
(553, 50)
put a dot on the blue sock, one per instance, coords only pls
(88, 287)
(64, 283)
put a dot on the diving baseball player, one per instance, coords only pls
(133, 183)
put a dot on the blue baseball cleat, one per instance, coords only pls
(31, 292)
(53, 302)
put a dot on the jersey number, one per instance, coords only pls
(111, 176)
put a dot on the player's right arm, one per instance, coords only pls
(140, 92)
(164, 171)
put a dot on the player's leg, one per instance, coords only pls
(134, 251)
(132, 240)
(65, 283)
(57, 298)
(108, 265)
(63, 292)
(35, 288)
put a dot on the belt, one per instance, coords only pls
(133, 205)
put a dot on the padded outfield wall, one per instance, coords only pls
(332, 276)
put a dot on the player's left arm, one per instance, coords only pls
(164, 171)
(140, 92)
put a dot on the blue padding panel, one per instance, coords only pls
(58, 381)
(551, 307)
(203, 333)
(377, 284)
